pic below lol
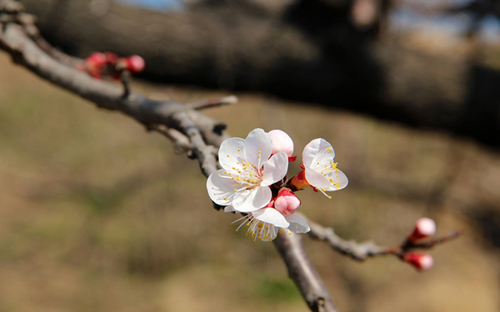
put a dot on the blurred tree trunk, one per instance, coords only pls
(311, 51)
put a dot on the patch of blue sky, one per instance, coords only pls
(162, 5)
(404, 20)
(490, 29)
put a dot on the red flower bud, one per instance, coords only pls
(96, 59)
(135, 63)
(424, 227)
(421, 261)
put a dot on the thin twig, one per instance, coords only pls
(365, 250)
(227, 100)
(433, 242)
(181, 142)
(125, 77)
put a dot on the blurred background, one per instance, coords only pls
(96, 214)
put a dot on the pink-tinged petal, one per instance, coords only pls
(317, 151)
(252, 200)
(282, 142)
(337, 177)
(275, 169)
(316, 179)
(297, 224)
(286, 202)
(231, 153)
(229, 209)
(220, 189)
(258, 147)
(272, 216)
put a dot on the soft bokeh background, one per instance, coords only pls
(96, 214)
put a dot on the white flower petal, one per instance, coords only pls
(297, 224)
(339, 177)
(272, 216)
(318, 150)
(229, 208)
(231, 152)
(220, 189)
(316, 179)
(253, 199)
(258, 141)
(275, 169)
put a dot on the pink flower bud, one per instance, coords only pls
(281, 142)
(424, 227)
(421, 261)
(135, 64)
(286, 202)
(96, 59)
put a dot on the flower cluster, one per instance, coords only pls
(253, 181)
(99, 64)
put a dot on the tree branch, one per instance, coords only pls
(105, 95)
(309, 56)
(302, 272)
(365, 250)
(190, 131)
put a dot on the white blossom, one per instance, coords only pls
(248, 171)
(320, 170)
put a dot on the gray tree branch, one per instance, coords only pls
(190, 131)
(365, 250)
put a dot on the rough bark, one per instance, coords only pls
(310, 52)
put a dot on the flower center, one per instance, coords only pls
(318, 159)
(257, 229)
(244, 174)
